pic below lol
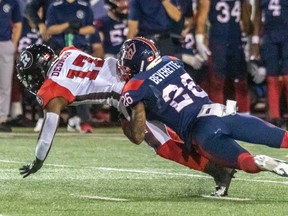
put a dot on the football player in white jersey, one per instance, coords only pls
(75, 77)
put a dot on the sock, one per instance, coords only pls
(247, 164)
(284, 143)
(242, 96)
(274, 87)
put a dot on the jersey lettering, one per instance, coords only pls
(275, 7)
(179, 96)
(225, 14)
(79, 61)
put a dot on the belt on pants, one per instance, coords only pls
(219, 110)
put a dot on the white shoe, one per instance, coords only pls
(276, 166)
(74, 124)
(39, 124)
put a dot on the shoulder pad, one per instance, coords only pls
(57, 3)
(81, 2)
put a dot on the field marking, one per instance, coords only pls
(150, 172)
(102, 198)
(226, 198)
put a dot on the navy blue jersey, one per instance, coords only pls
(28, 37)
(114, 33)
(9, 12)
(224, 17)
(61, 12)
(32, 8)
(152, 17)
(169, 93)
(275, 20)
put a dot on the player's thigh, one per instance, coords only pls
(237, 67)
(270, 56)
(214, 142)
(284, 53)
(218, 61)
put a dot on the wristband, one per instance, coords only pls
(199, 38)
(255, 39)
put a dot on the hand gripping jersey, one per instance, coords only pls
(81, 78)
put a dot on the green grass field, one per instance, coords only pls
(104, 174)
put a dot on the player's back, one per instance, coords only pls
(169, 93)
(275, 19)
(224, 17)
(81, 78)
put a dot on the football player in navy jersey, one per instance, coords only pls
(153, 21)
(113, 27)
(271, 25)
(227, 62)
(159, 88)
(68, 22)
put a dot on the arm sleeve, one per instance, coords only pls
(47, 135)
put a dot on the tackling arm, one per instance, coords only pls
(135, 128)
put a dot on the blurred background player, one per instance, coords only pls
(183, 37)
(69, 22)
(271, 37)
(113, 32)
(10, 31)
(22, 99)
(227, 62)
(153, 21)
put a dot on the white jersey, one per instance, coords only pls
(81, 78)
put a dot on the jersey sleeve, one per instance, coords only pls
(50, 90)
(132, 93)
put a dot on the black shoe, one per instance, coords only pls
(222, 177)
(223, 182)
(5, 128)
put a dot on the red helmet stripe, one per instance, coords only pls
(145, 40)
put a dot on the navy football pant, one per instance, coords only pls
(215, 138)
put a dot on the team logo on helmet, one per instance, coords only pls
(130, 51)
(26, 59)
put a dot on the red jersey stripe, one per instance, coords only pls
(51, 89)
(132, 85)
(68, 48)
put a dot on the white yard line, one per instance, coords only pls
(150, 172)
(101, 198)
(226, 198)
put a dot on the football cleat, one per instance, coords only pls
(222, 177)
(74, 124)
(223, 182)
(86, 127)
(39, 124)
(276, 166)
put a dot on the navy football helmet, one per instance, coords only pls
(135, 55)
(33, 64)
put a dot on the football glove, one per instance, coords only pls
(33, 167)
(194, 61)
(203, 50)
